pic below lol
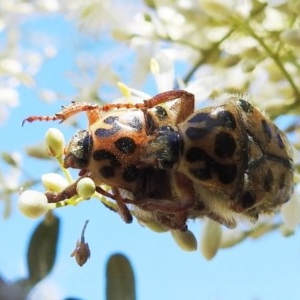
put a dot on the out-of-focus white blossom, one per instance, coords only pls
(291, 36)
(163, 70)
(48, 5)
(48, 95)
(274, 20)
(291, 210)
(9, 99)
(224, 10)
(294, 6)
(10, 178)
(94, 16)
(10, 66)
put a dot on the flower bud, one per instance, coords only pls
(248, 65)
(211, 238)
(37, 151)
(85, 187)
(231, 238)
(154, 226)
(82, 253)
(33, 204)
(185, 239)
(218, 9)
(55, 142)
(290, 211)
(54, 182)
(294, 6)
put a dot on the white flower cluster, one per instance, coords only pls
(34, 204)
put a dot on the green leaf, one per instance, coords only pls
(42, 248)
(120, 282)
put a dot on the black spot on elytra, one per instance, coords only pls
(266, 128)
(130, 173)
(247, 199)
(87, 143)
(150, 125)
(161, 113)
(136, 124)
(195, 133)
(125, 144)
(104, 154)
(107, 171)
(226, 172)
(170, 146)
(225, 119)
(224, 145)
(281, 181)
(268, 181)
(245, 106)
(195, 154)
(280, 141)
(199, 117)
(104, 132)
(201, 173)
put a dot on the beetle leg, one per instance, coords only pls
(67, 193)
(122, 208)
(187, 97)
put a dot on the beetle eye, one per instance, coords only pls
(78, 151)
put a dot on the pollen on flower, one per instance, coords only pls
(33, 204)
(55, 142)
(85, 188)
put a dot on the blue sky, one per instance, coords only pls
(268, 268)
